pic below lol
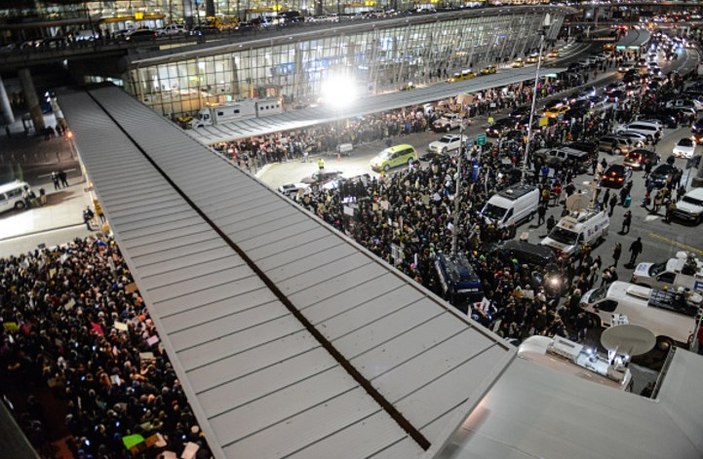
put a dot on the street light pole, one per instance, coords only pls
(543, 32)
(457, 195)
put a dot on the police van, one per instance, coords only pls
(576, 230)
(459, 281)
(512, 206)
(670, 316)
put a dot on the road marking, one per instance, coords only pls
(651, 218)
(676, 243)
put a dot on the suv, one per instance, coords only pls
(614, 145)
(447, 122)
(526, 253)
(643, 127)
(589, 147)
(566, 156)
(690, 207)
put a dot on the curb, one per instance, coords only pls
(34, 233)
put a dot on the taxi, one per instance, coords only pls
(556, 111)
(533, 58)
(518, 63)
(553, 53)
(465, 74)
(489, 70)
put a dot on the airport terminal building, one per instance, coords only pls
(375, 57)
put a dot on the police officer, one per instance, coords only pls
(321, 163)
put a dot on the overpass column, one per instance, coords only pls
(698, 179)
(188, 13)
(209, 7)
(30, 95)
(5, 107)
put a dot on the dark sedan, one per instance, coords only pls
(662, 175)
(639, 158)
(616, 176)
(500, 127)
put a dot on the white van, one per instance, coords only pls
(569, 357)
(11, 195)
(573, 231)
(513, 205)
(670, 316)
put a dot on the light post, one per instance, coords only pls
(543, 31)
(457, 194)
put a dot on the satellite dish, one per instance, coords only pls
(628, 339)
(576, 202)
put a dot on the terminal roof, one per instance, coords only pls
(290, 340)
(252, 295)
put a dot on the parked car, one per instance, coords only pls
(639, 158)
(501, 126)
(173, 29)
(661, 175)
(616, 176)
(638, 140)
(664, 118)
(688, 103)
(397, 155)
(589, 147)
(648, 129)
(447, 143)
(690, 207)
(684, 148)
(321, 177)
(447, 122)
(581, 160)
(466, 74)
(556, 112)
(614, 145)
(204, 30)
(141, 35)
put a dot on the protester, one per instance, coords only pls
(76, 329)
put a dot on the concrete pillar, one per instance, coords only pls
(697, 181)
(188, 13)
(5, 107)
(30, 96)
(209, 7)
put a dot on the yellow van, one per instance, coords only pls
(397, 155)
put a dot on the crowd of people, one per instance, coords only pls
(408, 217)
(254, 152)
(76, 331)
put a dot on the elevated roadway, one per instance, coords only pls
(209, 44)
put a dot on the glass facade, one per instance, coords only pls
(376, 59)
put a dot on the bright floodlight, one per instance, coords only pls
(339, 91)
